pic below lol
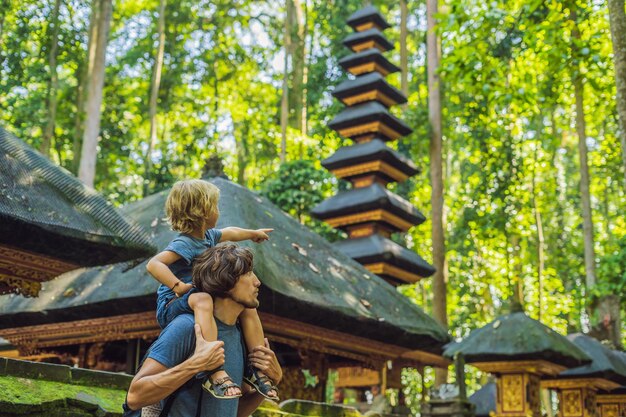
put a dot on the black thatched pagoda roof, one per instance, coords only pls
(367, 113)
(376, 248)
(485, 400)
(375, 35)
(605, 363)
(371, 55)
(374, 150)
(368, 82)
(366, 15)
(373, 197)
(517, 337)
(46, 210)
(304, 278)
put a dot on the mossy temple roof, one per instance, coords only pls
(45, 210)
(304, 278)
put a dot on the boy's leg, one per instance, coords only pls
(253, 336)
(202, 305)
(252, 328)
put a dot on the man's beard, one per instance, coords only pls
(246, 304)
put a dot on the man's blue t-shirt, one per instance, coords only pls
(188, 248)
(176, 343)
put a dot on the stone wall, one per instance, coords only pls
(36, 389)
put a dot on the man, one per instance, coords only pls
(180, 352)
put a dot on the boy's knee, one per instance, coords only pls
(201, 301)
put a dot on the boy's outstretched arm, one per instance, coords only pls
(237, 234)
(159, 268)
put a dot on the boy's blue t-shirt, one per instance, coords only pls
(176, 343)
(188, 248)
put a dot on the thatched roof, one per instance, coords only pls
(374, 150)
(368, 35)
(605, 363)
(517, 337)
(367, 14)
(304, 278)
(376, 248)
(368, 82)
(485, 400)
(369, 112)
(372, 197)
(370, 55)
(46, 210)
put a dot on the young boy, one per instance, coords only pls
(192, 210)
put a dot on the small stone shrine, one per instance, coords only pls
(613, 403)
(369, 213)
(577, 387)
(519, 352)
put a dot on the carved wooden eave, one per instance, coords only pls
(536, 367)
(380, 215)
(570, 383)
(578, 396)
(22, 272)
(300, 336)
(393, 274)
(380, 169)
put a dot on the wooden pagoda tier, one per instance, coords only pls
(51, 223)
(370, 38)
(352, 209)
(369, 162)
(319, 308)
(387, 259)
(368, 61)
(519, 351)
(366, 121)
(367, 88)
(367, 18)
(577, 387)
(369, 213)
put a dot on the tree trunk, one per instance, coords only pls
(617, 17)
(51, 94)
(404, 55)
(284, 103)
(297, 63)
(83, 73)
(436, 175)
(4, 7)
(95, 85)
(306, 48)
(81, 76)
(155, 84)
(540, 236)
(590, 265)
(243, 132)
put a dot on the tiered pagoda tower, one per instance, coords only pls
(368, 212)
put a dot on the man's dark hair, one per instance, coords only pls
(217, 270)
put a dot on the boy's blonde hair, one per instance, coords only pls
(190, 203)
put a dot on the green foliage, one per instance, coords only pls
(511, 156)
(612, 272)
(297, 187)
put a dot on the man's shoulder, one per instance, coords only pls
(176, 342)
(182, 323)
